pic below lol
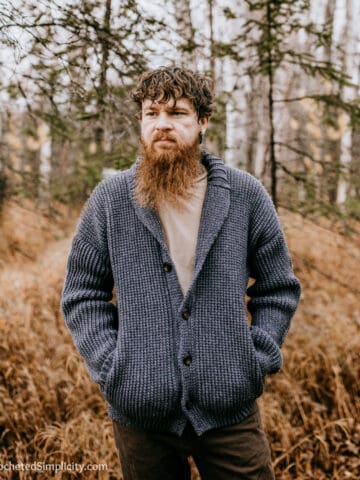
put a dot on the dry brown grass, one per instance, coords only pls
(26, 230)
(51, 412)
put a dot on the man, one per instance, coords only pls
(178, 235)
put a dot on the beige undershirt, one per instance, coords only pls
(181, 230)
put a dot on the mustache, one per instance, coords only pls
(163, 136)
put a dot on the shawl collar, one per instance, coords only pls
(214, 212)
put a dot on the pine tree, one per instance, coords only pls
(264, 47)
(74, 73)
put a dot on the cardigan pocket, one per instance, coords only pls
(105, 369)
(112, 376)
(228, 378)
(267, 352)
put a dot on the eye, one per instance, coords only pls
(150, 114)
(178, 113)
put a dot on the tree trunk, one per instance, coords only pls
(331, 145)
(271, 109)
(211, 39)
(102, 91)
(238, 87)
(45, 154)
(350, 67)
(262, 128)
(186, 33)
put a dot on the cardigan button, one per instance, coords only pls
(187, 360)
(167, 267)
(186, 314)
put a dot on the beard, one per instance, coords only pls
(166, 174)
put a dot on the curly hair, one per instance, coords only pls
(165, 83)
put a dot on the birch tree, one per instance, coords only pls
(186, 32)
(266, 39)
(350, 63)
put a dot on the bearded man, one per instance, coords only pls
(178, 235)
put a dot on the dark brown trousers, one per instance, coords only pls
(239, 451)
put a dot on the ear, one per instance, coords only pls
(203, 122)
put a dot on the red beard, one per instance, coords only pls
(167, 174)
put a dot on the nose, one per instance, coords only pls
(163, 122)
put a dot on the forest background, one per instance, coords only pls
(287, 83)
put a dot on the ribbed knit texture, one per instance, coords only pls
(161, 358)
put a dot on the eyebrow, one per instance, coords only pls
(177, 107)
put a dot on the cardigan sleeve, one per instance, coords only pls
(275, 294)
(87, 294)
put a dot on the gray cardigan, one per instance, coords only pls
(161, 358)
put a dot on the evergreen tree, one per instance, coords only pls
(264, 46)
(75, 72)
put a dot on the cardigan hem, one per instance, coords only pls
(200, 424)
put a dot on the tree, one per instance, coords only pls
(187, 45)
(350, 64)
(81, 60)
(266, 37)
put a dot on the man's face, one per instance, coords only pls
(165, 126)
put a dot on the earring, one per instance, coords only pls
(200, 137)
